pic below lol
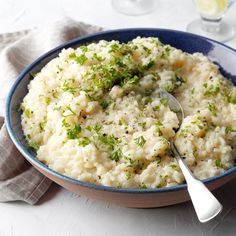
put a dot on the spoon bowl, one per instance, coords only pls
(204, 202)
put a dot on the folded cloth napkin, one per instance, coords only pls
(18, 179)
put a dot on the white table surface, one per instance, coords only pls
(62, 213)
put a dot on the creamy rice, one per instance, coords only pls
(93, 114)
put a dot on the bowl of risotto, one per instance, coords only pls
(88, 116)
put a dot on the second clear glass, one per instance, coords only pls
(210, 24)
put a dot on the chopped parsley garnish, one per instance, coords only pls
(47, 100)
(121, 122)
(147, 66)
(144, 186)
(158, 160)
(159, 125)
(211, 90)
(127, 175)
(110, 140)
(229, 129)
(169, 89)
(59, 68)
(212, 108)
(116, 155)
(142, 124)
(68, 87)
(173, 166)
(231, 98)
(114, 47)
(32, 74)
(140, 141)
(21, 107)
(104, 104)
(96, 57)
(97, 127)
(27, 113)
(146, 49)
(74, 132)
(71, 112)
(64, 123)
(175, 110)
(156, 108)
(81, 59)
(218, 164)
(35, 146)
(84, 48)
(164, 101)
(42, 125)
(133, 80)
(179, 81)
(84, 141)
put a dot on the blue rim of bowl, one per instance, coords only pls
(40, 165)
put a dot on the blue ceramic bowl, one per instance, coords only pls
(220, 54)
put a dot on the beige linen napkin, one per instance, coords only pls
(18, 179)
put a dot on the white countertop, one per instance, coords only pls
(62, 213)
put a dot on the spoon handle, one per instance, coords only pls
(204, 202)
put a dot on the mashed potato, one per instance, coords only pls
(93, 114)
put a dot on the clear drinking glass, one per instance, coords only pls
(134, 7)
(211, 24)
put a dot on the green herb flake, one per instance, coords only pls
(27, 113)
(72, 113)
(21, 107)
(114, 47)
(67, 87)
(229, 129)
(74, 132)
(164, 101)
(32, 74)
(83, 48)
(64, 123)
(97, 127)
(156, 108)
(143, 186)
(159, 125)
(218, 164)
(59, 68)
(180, 81)
(169, 89)
(127, 175)
(47, 100)
(142, 124)
(148, 66)
(158, 161)
(175, 110)
(192, 91)
(97, 58)
(146, 49)
(140, 141)
(116, 155)
(42, 125)
(133, 80)
(212, 108)
(35, 146)
(84, 141)
(81, 59)
(104, 104)
(110, 140)
(173, 166)
(211, 90)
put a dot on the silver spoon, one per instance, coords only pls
(204, 202)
